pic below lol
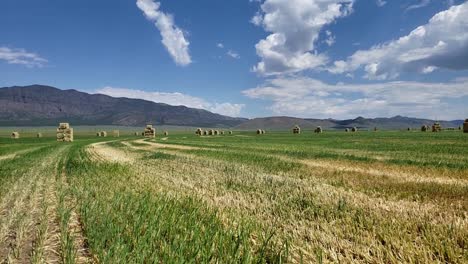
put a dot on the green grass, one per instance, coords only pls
(239, 198)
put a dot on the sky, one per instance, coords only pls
(248, 58)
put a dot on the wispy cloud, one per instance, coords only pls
(226, 108)
(220, 45)
(421, 4)
(233, 54)
(381, 3)
(307, 97)
(21, 56)
(173, 38)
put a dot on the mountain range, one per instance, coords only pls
(45, 105)
(392, 123)
(40, 105)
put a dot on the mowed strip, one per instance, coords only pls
(358, 174)
(102, 151)
(25, 222)
(377, 169)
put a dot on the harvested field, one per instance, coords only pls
(387, 197)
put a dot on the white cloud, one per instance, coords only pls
(330, 38)
(421, 4)
(21, 56)
(233, 54)
(228, 109)
(441, 43)
(220, 45)
(173, 38)
(306, 97)
(381, 3)
(294, 26)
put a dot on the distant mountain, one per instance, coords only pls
(39, 105)
(283, 122)
(45, 105)
(397, 122)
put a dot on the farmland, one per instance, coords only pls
(378, 197)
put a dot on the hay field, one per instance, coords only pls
(365, 197)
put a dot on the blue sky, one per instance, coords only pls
(250, 58)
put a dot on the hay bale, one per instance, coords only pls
(166, 133)
(354, 129)
(465, 126)
(39, 135)
(149, 132)
(424, 128)
(222, 132)
(375, 129)
(346, 130)
(64, 126)
(216, 132)
(205, 133)
(211, 132)
(116, 133)
(98, 134)
(64, 133)
(199, 132)
(296, 129)
(259, 131)
(103, 134)
(230, 132)
(136, 133)
(15, 135)
(409, 129)
(436, 127)
(318, 130)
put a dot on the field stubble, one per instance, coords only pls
(368, 197)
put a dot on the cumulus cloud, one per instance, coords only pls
(21, 56)
(228, 109)
(173, 38)
(220, 45)
(441, 43)
(306, 97)
(294, 26)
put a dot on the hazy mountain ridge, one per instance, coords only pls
(39, 105)
(45, 105)
(397, 122)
